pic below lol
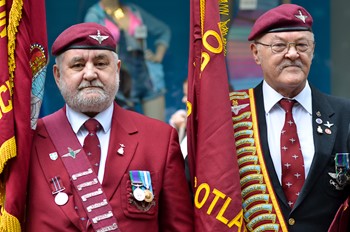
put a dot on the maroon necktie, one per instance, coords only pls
(293, 174)
(92, 145)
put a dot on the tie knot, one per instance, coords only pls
(287, 104)
(92, 125)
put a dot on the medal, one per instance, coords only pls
(146, 179)
(141, 185)
(61, 198)
(341, 163)
(136, 183)
(341, 178)
(139, 194)
(148, 196)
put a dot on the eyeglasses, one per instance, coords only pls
(281, 47)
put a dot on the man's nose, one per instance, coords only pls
(90, 72)
(292, 51)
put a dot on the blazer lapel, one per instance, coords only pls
(56, 168)
(122, 137)
(260, 109)
(323, 142)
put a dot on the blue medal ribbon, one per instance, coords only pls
(146, 180)
(341, 162)
(135, 178)
(141, 179)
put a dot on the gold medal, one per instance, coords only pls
(148, 196)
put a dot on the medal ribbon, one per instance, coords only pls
(135, 177)
(57, 185)
(342, 161)
(141, 179)
(146, 179)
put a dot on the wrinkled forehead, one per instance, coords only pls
(288, 36)
(86, 54)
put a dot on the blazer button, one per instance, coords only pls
(291, 221)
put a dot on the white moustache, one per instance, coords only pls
(294, 64)
(89, 84)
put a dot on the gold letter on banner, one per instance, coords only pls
(209, 47)
(199, 189)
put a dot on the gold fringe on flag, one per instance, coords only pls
(9, 223)
(7, 151)
(224, 8)
(14, 19)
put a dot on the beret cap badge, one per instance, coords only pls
(301, 16)
(84, 36)
(285, 17)
(100, 38)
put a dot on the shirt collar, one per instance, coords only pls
(272, 97)
(77, 119)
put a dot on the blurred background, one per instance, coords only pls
(330, 71)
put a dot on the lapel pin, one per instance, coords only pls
(53, 156)
(71, 153)
(329, 125)
(318, 114)
(328, 131)
(319, 130)
(121, 149)
(319, 121)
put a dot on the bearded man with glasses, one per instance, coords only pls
(300, 152)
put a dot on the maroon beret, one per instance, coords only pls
(84, 36)
(285, 17)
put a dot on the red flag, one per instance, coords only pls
(23, 54)
(211, 143)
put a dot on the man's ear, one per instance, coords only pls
(255, 52)
(56, 73)
(119, 65)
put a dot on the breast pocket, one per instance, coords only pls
(139, 201)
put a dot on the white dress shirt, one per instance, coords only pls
(302, 114)
(77, 121)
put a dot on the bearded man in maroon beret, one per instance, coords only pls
(94, 165)
(298, 136)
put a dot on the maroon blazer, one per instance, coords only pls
(341, 221)
(150, 145)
